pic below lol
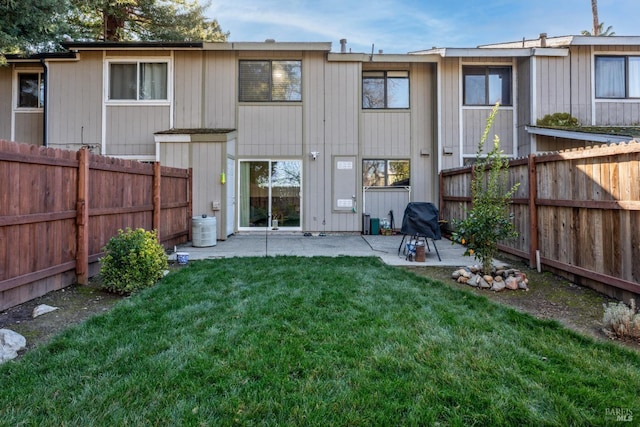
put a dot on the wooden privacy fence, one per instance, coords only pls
(578, 210)
(59, 208)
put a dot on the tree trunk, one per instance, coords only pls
(596, 21)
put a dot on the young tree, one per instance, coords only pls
(488, 221)
(144, 20)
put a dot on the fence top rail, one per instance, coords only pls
(590, 152)
(35, 154)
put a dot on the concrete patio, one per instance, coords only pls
(296, 244)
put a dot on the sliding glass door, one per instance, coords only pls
(270, 194)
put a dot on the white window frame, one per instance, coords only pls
(137, 61)
(16, 89)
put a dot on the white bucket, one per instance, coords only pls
(182, 257)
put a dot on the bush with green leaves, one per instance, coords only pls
(558, 120)
(621, 321)
(134, 260)
(488, 221)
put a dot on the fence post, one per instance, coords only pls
(157, 177)
(190, 208)
(441, 193)
(533, 211)
(82, 219)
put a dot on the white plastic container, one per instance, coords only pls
(203, 231)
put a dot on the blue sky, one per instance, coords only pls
(408, 25)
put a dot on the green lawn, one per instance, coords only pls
(316, 341)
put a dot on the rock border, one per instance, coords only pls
(499, 279)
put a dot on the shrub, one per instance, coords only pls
(558, 120)
(621, 321)
(134, 260)
(488, 221)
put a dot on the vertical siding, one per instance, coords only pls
(341, 114)
(386, 134)
(553, 89)
(581, 95)
(524, 105)
(316, 192)
(380, 202)
(450, 115)
(188, 94)
(220, 83)
(130, 129)
(270, 130)
(207, 162)
(5, 102)
(29, 127)
(75, 102)
(175, 154)
(475, 121)
(424, 142)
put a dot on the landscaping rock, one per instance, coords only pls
(473, 281)
(41, 309)
(10, 344)
(498, 286)
(511, 283)
(488, 278)
(463, 279)
(483, 284)
(523, 285)
(455, 275)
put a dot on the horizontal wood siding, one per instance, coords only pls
(42, 213)
(29, 127)
(75, 102)
(130, 129)
(475, 121)
(386, 134)
(270, 130)
(587, 208)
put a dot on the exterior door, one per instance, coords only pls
(231, 196)
(270, 191)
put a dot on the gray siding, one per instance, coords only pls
(5, 102)
(524, 106)
(581, 94)
(475, 121)
(188, 90)
(221, 88)
(270, 130)
(29, 127)
(130, 129)
(451, 98)
(386, 134)
(553, 88)
(75, 102)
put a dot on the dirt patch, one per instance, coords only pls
(75, 304)
(549, 297)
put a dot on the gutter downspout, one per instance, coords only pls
(45, 77)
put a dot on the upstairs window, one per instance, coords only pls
(270, 81)
(138, 81)
(618, 77)
(30, 90)
(385, 173)
(487, 85)
(385, 89)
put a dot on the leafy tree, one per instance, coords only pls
(28, 26)
(144, 20)
(488, 221)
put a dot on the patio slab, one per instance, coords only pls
(296, 244)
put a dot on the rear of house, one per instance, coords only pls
(293, 133)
